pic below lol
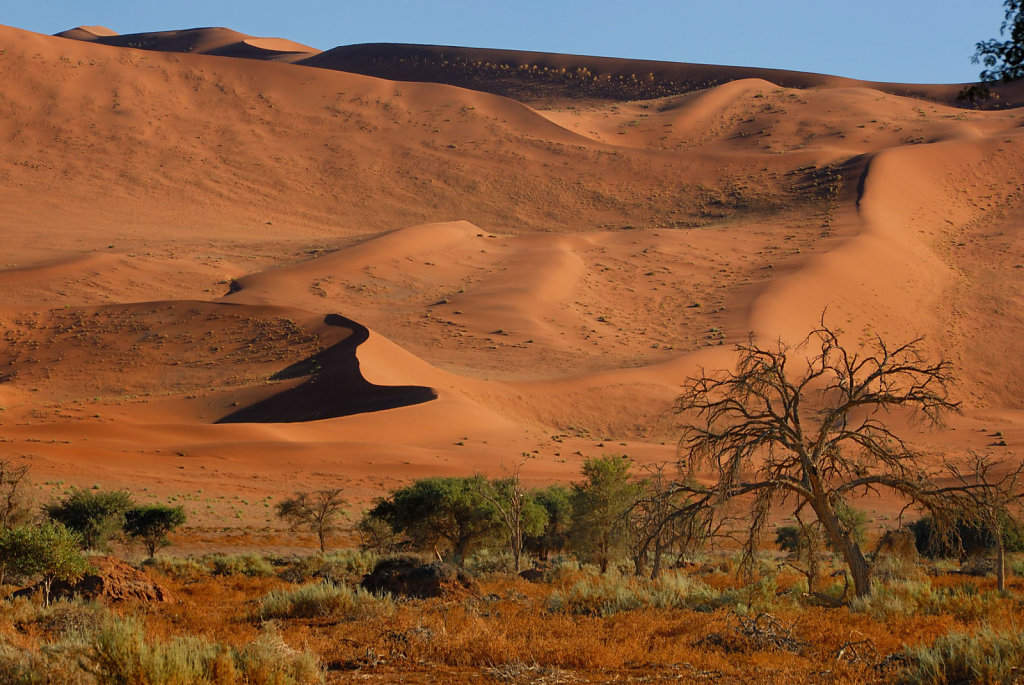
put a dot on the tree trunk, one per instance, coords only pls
(656, 563)
(840, 538)
(1000, 563)
(517, 551)
(320, 534)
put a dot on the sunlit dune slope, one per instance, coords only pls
(275, 273)
(205, 41)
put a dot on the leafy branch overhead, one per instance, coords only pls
(1004, 59)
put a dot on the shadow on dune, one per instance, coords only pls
(335, 387)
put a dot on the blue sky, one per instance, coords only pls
(922, 41)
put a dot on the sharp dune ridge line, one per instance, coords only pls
(435, 280)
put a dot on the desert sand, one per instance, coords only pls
(228, 273)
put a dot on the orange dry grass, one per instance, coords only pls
(449, 640)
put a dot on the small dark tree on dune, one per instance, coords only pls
(817, 436)
(96, 516)
(319, 512)
(152, 523)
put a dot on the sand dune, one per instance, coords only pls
(203, 41)
(258, 276)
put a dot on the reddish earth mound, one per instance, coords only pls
(110, 579)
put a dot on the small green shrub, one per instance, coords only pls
(488, 561)
(183, 570)
(320, 599)
(119, 653)
(344, 567)
(607, 595)
(252, 565)
(986, 656)
(898, 599)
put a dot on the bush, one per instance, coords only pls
(966, 539)
(486, 561)
(151, 524)
(319, 599)
(252, 565)
(48, 551)
(986, 656)
(183, 570)
(119, 653)
(900, 599)
(95, 515)
(607, 595)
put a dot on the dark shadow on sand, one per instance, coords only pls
(335, 387)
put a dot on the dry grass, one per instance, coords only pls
(694, 626)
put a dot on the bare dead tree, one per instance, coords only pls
(510, 498)
(319, 511)
(665, 520)
(15, 501)
(817, 435)
(988, 501)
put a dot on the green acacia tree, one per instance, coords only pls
(48, 551)
(554, 537)
(319, 511)
(95, 515)
(151, 523)
(600, 505)
(449, 513)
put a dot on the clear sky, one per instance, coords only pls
(920, 41)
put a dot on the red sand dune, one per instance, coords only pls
(205, 41)
(251, 277)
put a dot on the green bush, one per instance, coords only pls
(606, 595)
(48, 551)
(119, 653)
(252, 565)
(986, 656)
(320, 599)
(965, 539)
(902, 598)
(96, 516)
(343, 567)
(180, 569)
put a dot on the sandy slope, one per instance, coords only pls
(191, 240)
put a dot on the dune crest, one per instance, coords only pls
(236, 270)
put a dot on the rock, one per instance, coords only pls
(538, 573)
(108, 578)
(410, 576)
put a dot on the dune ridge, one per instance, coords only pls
(527, 277)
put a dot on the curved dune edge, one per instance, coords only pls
(563, 274)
